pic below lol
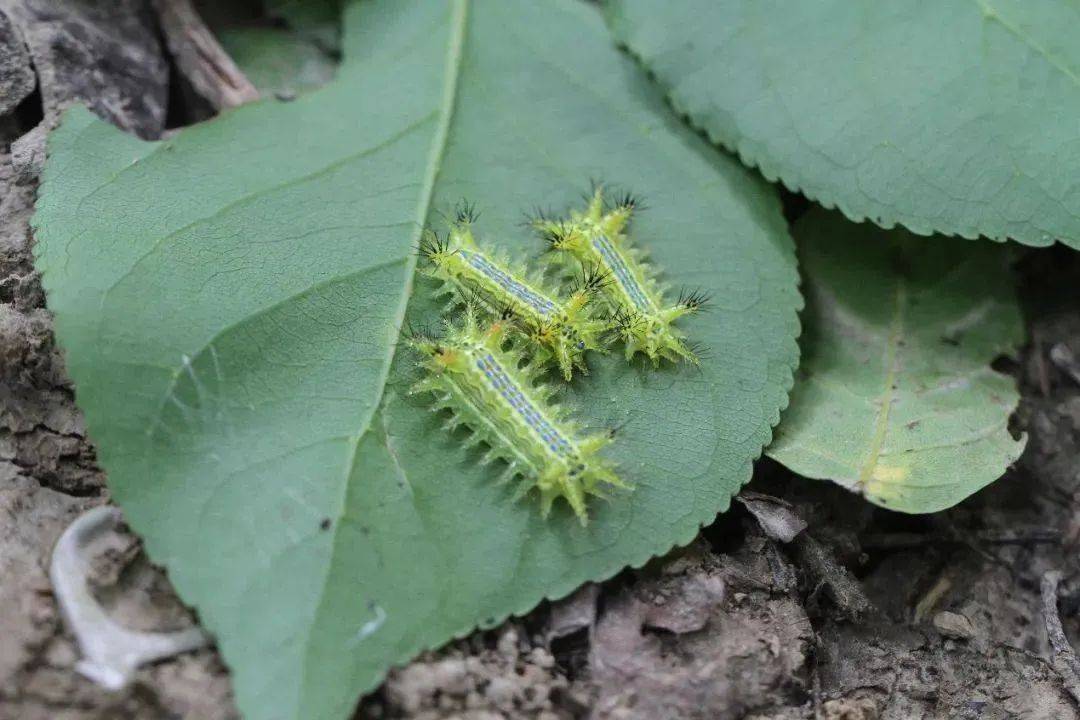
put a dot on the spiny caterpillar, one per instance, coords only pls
(562, 329)
(487, 389)
(638, 311)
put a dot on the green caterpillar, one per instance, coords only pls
(562, 329)
(639, 313)
(487, 389)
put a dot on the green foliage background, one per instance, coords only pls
(230, 299)
(947, 116)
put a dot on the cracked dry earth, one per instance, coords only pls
(862, 615)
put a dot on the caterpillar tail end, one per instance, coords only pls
(571, 491)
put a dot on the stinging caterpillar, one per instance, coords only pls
(638, 312)
(487, 389)
(563, 329)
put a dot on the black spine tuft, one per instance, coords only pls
(699, 350)
(538, 216)
(411, 333)
(592, 280)
(627, 200)
(621, 322)
(431, 245)
(555, 234)
(694, 299)
(466, 213)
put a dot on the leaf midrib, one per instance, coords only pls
(457, 32)
(891, 361)
(992, 13)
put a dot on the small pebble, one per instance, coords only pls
(953, 625)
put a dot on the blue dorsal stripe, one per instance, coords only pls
(537, 302)
(494, 372)
(622, 273)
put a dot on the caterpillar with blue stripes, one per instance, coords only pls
(563, 329)
(487, 388)
(638, 312)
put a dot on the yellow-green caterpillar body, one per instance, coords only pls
(638, 311)
(562, 328)
(489, 391)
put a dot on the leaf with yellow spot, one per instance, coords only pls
(896, 399)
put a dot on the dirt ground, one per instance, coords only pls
(862, 615)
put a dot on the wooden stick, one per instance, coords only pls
(201, 58)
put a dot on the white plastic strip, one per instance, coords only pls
(111, 653)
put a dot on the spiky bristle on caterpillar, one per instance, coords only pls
(563, 328)
(487, 389)
(638, 312)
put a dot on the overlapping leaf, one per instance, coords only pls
(277, 61)
(950, 116)
(895, 397)
(316, 20)
(229, 300)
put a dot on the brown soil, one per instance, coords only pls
(864, 615)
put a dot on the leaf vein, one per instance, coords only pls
(892, 362)
(438, 150)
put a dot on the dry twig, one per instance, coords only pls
(1065, 661)
(201, 58)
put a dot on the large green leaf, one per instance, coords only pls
(951, 116)
(230, 298)
(895, 398)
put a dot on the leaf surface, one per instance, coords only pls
(230, 299)
(950, 116)
(895, 398)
